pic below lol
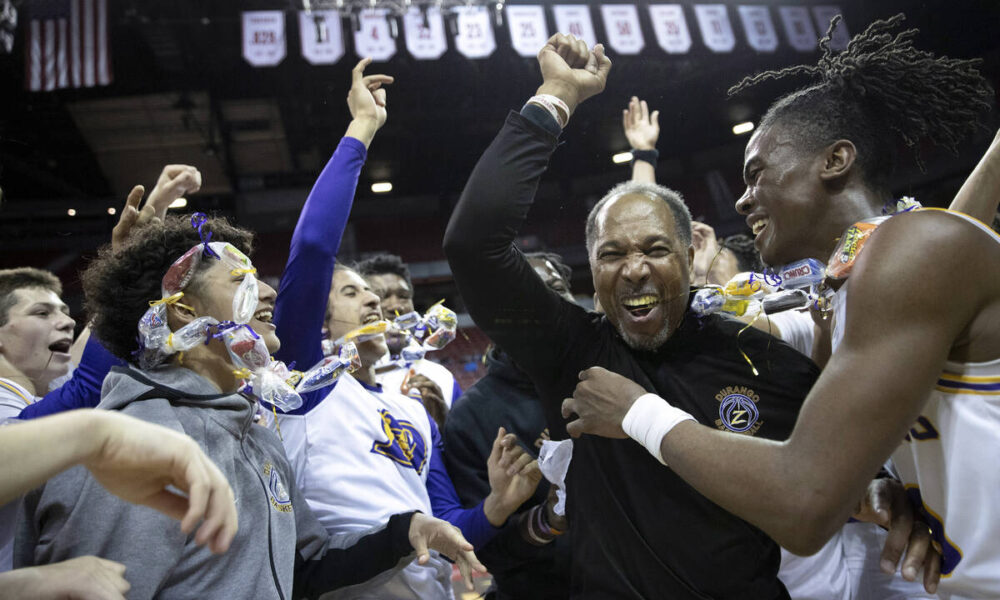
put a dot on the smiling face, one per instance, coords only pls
(641, 269)
(785, 200)
(352, 304)
(212, 295)
(37, 336)
(396, 298)
(548, 273)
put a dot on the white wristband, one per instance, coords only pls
(651, 418)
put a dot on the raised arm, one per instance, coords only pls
(980, 194)
(301, 307)
(642, 130)
(504, 296)
(872, 390)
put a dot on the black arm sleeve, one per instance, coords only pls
(504, 296)
(369, 556)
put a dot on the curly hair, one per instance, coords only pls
(384, 263)
(742, 246)
(12, 280)
(877, 91)
(565, 272)
(118, 285)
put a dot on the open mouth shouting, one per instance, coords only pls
(61, 347)
(641, 308)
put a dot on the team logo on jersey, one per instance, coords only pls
(404, 445)
(738, 410)
(276, 491)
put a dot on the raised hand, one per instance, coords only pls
(570, 71)
(706, 248)
(514, 476)
(82, 578)
(367, 102)
(175, 182)
(886, 504)
(136, 461)
(431, 397)
(429, 533)
(642, 129)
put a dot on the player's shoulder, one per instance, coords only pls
(933, 234)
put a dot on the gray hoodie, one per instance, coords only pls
(278, 537)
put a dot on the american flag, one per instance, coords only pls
(67, 44)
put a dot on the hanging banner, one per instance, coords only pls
(798, 27)
(759, 28)
(528, 32)
(424, 32)
(716, 31)
(823, 16)
(621, 24)
(373, 38)
(264, 37)
(475, 32)
(574, 19)
(670, 27)
(322, 36)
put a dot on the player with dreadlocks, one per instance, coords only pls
(915, 372)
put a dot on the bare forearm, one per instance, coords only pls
(36, 450)
(362, 130)
(979, 195)
(759, 481)
(643, 172)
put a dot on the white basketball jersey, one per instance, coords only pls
(949, 463)
(360, 456)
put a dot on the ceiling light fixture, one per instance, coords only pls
(381, 187)
(621, 157)
(742, 128)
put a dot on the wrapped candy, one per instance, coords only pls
(442, 322)
(707, 301)
(366, 332)
(270, 385)
(328, 370)
(785, 300)
(802, 274)
(408, 321)
(849, 247)
(245, 347)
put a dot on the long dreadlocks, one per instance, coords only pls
(878, 86)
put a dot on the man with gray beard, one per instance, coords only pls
(639, 531)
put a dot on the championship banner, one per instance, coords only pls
(823, 16)
(574, 19)
(798, 27)
(621, 24)
(322, 36)
(716, 31)
(475, 32)
(528, 32)
(670, 27)
(759, 28)
(424, 33)
(373, 38)
(264, 37)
